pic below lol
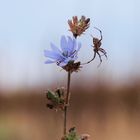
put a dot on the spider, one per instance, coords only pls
(97, 47)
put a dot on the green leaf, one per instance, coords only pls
(72, 135)
(52, 96)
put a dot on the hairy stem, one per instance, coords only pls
(67, 102)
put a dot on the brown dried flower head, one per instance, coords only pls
(78, 27)
(72, 67)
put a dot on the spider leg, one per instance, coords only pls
(94, 54)
(100, 59)
(93, 57)
(103, 51)
(100, 33)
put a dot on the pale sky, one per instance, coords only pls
(28, 26)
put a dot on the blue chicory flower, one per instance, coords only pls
(67, 53)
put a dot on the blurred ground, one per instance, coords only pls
(103, 112)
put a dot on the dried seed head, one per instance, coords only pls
(78, 27)
(72, 67)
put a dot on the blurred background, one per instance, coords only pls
(105, 101)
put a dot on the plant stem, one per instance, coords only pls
(67, 102)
